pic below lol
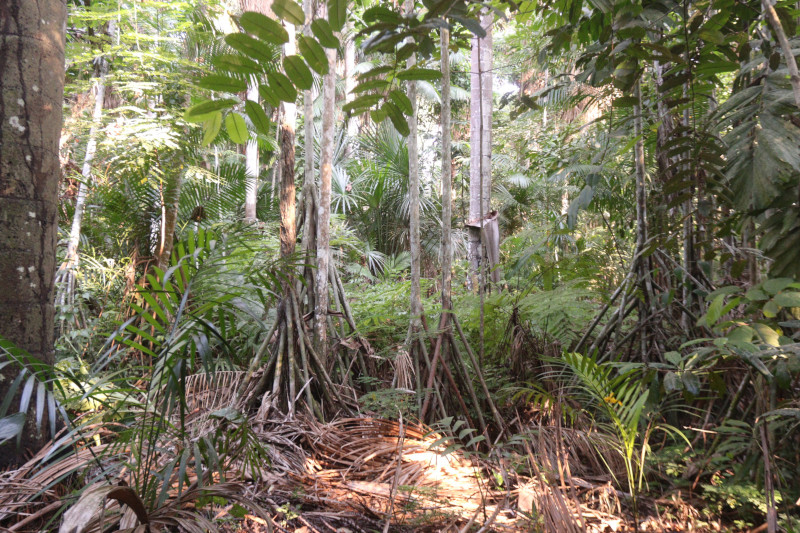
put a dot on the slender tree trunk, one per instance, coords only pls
(287, 135)
(309, 243)
(170, 196)
(88, 159)
(251, 163)
(794, 76)
(413, 193)
(324, 208)
(31, 96)
(480, 174)
(350, 81)
(447, 177)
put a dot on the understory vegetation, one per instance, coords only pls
(281, 306)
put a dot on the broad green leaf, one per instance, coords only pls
(264, 28)
(402, 101)
(672, 382)
(362, 102)
(222, 83)
(250, 47)
(211, 128)
(396, 116)
(289, 11)
(419, 74)
(202, 112)
(268, 95)
(473, 25)
(691, 382)
(257, 116)
(788, 299)
(775, 285)
(324, 34)
(236, 127)
(337, 14)
(298, 72)
(767, 334)
(282, 86)
(236, 63)
(313, 53)
(741, 334)
(370, 85)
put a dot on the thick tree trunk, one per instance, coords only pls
(447, 177)
(415, 303)
(480, 174)
(31, 95)
(324, 208)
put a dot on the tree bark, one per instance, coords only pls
(415, 302)
(480, 173)
(170, 196)
(88, 159)
(350, 81)
(447, 177)
(324, 208)
(31, 95)
(251, 164)
(287, 194)
(794, 77)
(309, 243)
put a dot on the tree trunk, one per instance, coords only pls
(252, 164)
(324, 208)
(287, 196)
(91, 149)
(447, 177)
(31, 95)
(350, 81)
(480, 173)
(170, 196)
(415, 302)
(309, 243)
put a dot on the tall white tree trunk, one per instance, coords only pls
(309, 243)
(91, 149)
(480, 174)
(350, 80)
(413, 193)
(251, 163)
(324, 208)
(447, 176)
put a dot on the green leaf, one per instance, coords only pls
(398, 120)
(362, 102)
(250, 47)
(237, 129)
(337, 14)
(324, 34)
(298, 72)
(202, 112)
(264, 28)
(370, 85)
(767, 334)
(788, 299)
(419, 74)
(402, 101)
(212, 128)
(775, 285)
(691, 382)
(257, 116)
(313, 53)
(282, 86)
(222, 83)
(672, 382)
(11, 426)
(289, 11)
(268, 95)
(236, 63)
